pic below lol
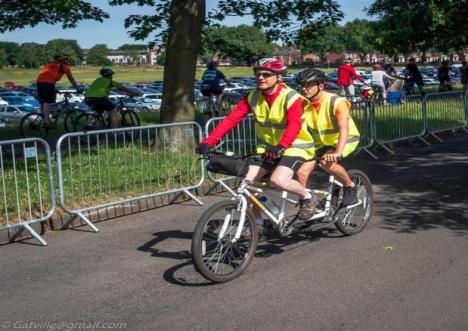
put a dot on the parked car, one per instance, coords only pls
(14, 112)
(27, 101)
(141, 104)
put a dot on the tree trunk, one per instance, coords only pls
(185, 24)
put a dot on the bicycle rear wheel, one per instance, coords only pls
(32, 125)
(220, 259)
(355, 220)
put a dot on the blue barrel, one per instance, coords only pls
(394, 98)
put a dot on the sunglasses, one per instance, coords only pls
(264, 74)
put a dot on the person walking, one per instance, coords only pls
(443, 74)
(378, 80)
(346, 77)
(464, 76)
(413, 76)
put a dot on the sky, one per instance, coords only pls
(112, 32)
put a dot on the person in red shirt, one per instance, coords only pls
(346, 77)
(46, 81)
(282, 134)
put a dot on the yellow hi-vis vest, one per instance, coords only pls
(270, 123)
(323, 124)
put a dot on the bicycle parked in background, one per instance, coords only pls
(225, 237)
(33, 125)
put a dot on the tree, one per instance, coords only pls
(243, 43)
(133, 47)
(97, 55)
(11, 50)
(418, 25)
(358, 36)
(32, 55)
(182, 21)
(68, 46)
(320, 41)
(16, 14)
(3, 58)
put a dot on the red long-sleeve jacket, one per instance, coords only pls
(346, 75)
(242, 109)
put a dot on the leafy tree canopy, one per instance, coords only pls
(16, 14)
(133, 47)
(97, 55)
(67, 46)
(243, 43)
(408, 26)
(11, 50)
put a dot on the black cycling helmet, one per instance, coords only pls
(310, 76)
(212, 64)
(106, 72)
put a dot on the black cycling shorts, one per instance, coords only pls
(46, 92)
(209, 91)
(100, 104)
(291, 162)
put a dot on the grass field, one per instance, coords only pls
(123, 74)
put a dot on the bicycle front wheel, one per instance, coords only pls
(70, 119)
(355, 220)
(32, 125)
(221, 259)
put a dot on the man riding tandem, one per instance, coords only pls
(287, 129)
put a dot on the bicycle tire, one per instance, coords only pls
(32, 125)
(129, 118)
(226, 106)
(347, 224)
(89, 122)
(216, 264)
(70, 118)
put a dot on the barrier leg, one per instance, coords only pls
(386, 148)
(193, 197)
(424, 141)
(365, 149)
(88, 222)
(435, 136)
(32, 231)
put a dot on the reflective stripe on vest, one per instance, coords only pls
(270, 123)
(323, 126)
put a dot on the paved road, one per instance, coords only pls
(137, 270)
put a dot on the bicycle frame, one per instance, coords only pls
(243, 194)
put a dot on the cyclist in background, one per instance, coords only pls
(97, 96)
(211, 81)
(346, 77)
(46, 81)
(281, 132)
(334, 133)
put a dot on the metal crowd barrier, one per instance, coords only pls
(242, 140)
(99, 169)
(400, 121)
(27, 185)
(362, 115)
(445, 111)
